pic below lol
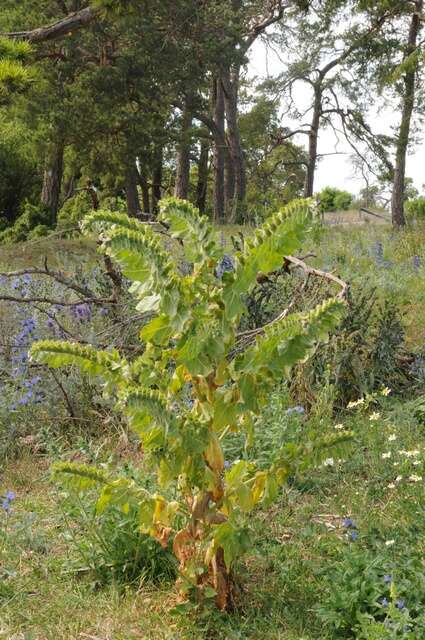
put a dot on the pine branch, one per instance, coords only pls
(65, 27)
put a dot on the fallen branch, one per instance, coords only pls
(55, 275)
(245, 338)
(59, 303)
(321, 274)
(65, 27)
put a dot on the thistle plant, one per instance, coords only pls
(186, 392)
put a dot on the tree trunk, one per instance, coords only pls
(131, 192)
(202, 186)
(219, 151)
(183, 157)
(157, 181)
(52, 181)
(229, 183)
(70, 187)
(398, 195)
(230, 82)
(313, 137)
(145, 192)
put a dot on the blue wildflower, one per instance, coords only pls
(385, 602)
(349, 523)
(7, 500)
(298, 409)
(227, 464)
(400, 604)
(388, 579)
(353, 536)
(225, 265)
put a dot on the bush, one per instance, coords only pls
(332, 199)
(362, 356)
(40, 231)
(75, 209)
(343, 200)
(32, 217)
(19, 179)
(415, 209)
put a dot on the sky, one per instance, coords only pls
(337, 170)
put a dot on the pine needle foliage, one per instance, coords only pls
(14, 76)
(185, 393)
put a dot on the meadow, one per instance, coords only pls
(338, 555)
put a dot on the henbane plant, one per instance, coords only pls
(186, 393)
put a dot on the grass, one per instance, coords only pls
(302, 557)
(284, 578)
(60, 253)
(394, 276)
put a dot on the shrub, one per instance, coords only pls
(74, 209)
(19, 179)
(32, 216)
(332, 199)
(184, 395)
(343, 200)
(415, 209)
(362, 355)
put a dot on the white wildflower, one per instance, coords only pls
(374, 416)
(392, 437)
(338, 427)
(385, 456)
(390, 543)
(329, 462)
(385, 391)
(415, 478)
(391, 485)
(399, 478)
(355, 403)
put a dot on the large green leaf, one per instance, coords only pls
(195, 231)
(61, 354)
(282, 235)
(289, 341)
